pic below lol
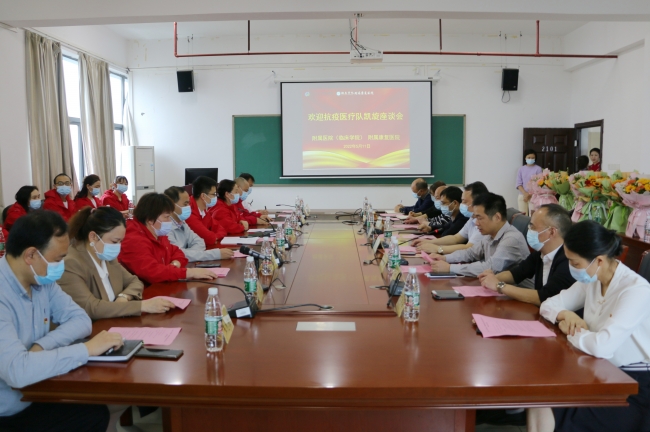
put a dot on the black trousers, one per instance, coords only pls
(45, 417)
(634, 418)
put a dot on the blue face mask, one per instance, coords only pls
(63, 190)
(250, 191)
(165, 228)
(121, 188)
(581, 275)
(244, 195)
(95, 191)
(465, 212)
(54, 272)
(532, 237)
(437, 203)
(186, 212)
(530, 161)
(235, 200)
(446, 211)
(415, 195)
(212, 202)
(111, 251)
(35, 204)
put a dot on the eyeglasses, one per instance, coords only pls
(64, 183)
(212, 194)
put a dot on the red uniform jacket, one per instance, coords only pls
(210, 231)
(85, 202)
(228, 217)
(54, 202)
(149, 258)
(110, 199)
(15, 211)
(247, 215)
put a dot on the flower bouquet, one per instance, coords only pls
(575, 180)
(540, 187)
(619, 213)
(590, 187)
(560, 184)
(635, 193)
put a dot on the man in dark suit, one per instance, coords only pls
(548, 264)
(420, 191)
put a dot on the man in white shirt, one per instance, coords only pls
(247, 204)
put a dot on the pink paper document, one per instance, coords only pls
(426, 257)
(405, 227)
(408, 250)
(495, 327)
(277, 223)
(239, 255)
(178, 302)
(219, 271)
(476, 291)
(425, 268)
(149, 335)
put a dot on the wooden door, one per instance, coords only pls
(555, 147)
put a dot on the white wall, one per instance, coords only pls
(195, 129)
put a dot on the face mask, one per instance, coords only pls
(437, 203)
(581, 275)
(121, 188)
(54, 272)
(415, 195)
(211, 203)
(35, 204)
(532, 237)
(186, 212)
(165, 228)
(465, 212)
(95, 191)
(530, 161)
(63, 190)
(111, 251)
(446, 211)
(244, 195)
(250, 191)
(235, 200)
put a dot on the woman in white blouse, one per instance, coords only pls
(616, 327)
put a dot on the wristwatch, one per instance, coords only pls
(440, 250)
(500, 287)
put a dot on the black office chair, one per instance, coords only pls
(511, 212)
(521, 221)
(644, 267)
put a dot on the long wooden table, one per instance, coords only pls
(385, 376)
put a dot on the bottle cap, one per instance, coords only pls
(213, 291)
(249, 259)
(393, 239)
(413, 270)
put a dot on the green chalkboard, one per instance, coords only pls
(257, 149)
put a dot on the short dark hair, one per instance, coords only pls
(100, 220)
(595, 149)
(583, 162)
(88, 180)
(529, 152)
(23, 195)
(35, 229)
(202, 185)
(174, 193)
(225, 186)
(452, 193)
(437, 184)
(120, 178)
(59, 175)
(493, 204)
(248, 177)
(421, 184)
(590, 239)
(476, 188)
(151, 206)
(559, 217)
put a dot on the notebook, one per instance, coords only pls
(123, 354)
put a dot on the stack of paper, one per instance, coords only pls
(408, 250)
(476, 291)
(239, 240)
(495, 327)
(180, 303)
(219, 271)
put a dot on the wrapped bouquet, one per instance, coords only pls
(560, 184)
(540, 187)
(618, 212)
(635, 193)
(590, 186)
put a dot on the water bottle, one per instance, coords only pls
(131, 208)
(412, 296)
(250, 279)
(395, 258)
(2, 243)
(645, 239)
(280, 241)
(213, 325)
(297, 204)
(365, 204)
(288, 229)
(266, 268)
(388, 229)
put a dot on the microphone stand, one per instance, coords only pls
(242, 309)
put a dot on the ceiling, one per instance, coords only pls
(149, 31)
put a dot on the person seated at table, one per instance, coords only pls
(468, 236)
(616, 327)
(435, 223)
(421, 193)
(251, 182)
(58, 198)
(450, 198)
(253, 218)
(116, 196)
(225, 213)
(28, 198)
(583, 163)
(5, 233)
(594, 157)
(202, 203)
(146, 251)
(548, 265)
(432, 211)
(501, 248)
(90, 190)
(33, 350)
(93, 277)
(183, 237)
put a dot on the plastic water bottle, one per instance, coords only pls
(412, 296)
(288, 229)
(267, 250)
(131, 208)
(388, 229)
(280, 241)
(213, 325)
(645, 239)
(365, 204)
(297, 204)
(250, 279)
(395, 257)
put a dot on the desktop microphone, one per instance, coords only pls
(285, 205)
(248, 251)
(421, 235)
(242, 309)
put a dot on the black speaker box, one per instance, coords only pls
(509, 79)
(186, 81)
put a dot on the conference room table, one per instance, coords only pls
(386, 375)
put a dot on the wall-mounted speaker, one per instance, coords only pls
(186, 81)
(509, 79)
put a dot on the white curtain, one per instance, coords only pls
(97, 118)
(49, 128)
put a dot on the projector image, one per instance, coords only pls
(366, 56)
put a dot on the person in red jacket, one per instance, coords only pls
(146, 251)
(252, 217)
(225, 213)
(202, 202)
(90, 190)
(116, 196)
(58, 198)
(27, 198)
